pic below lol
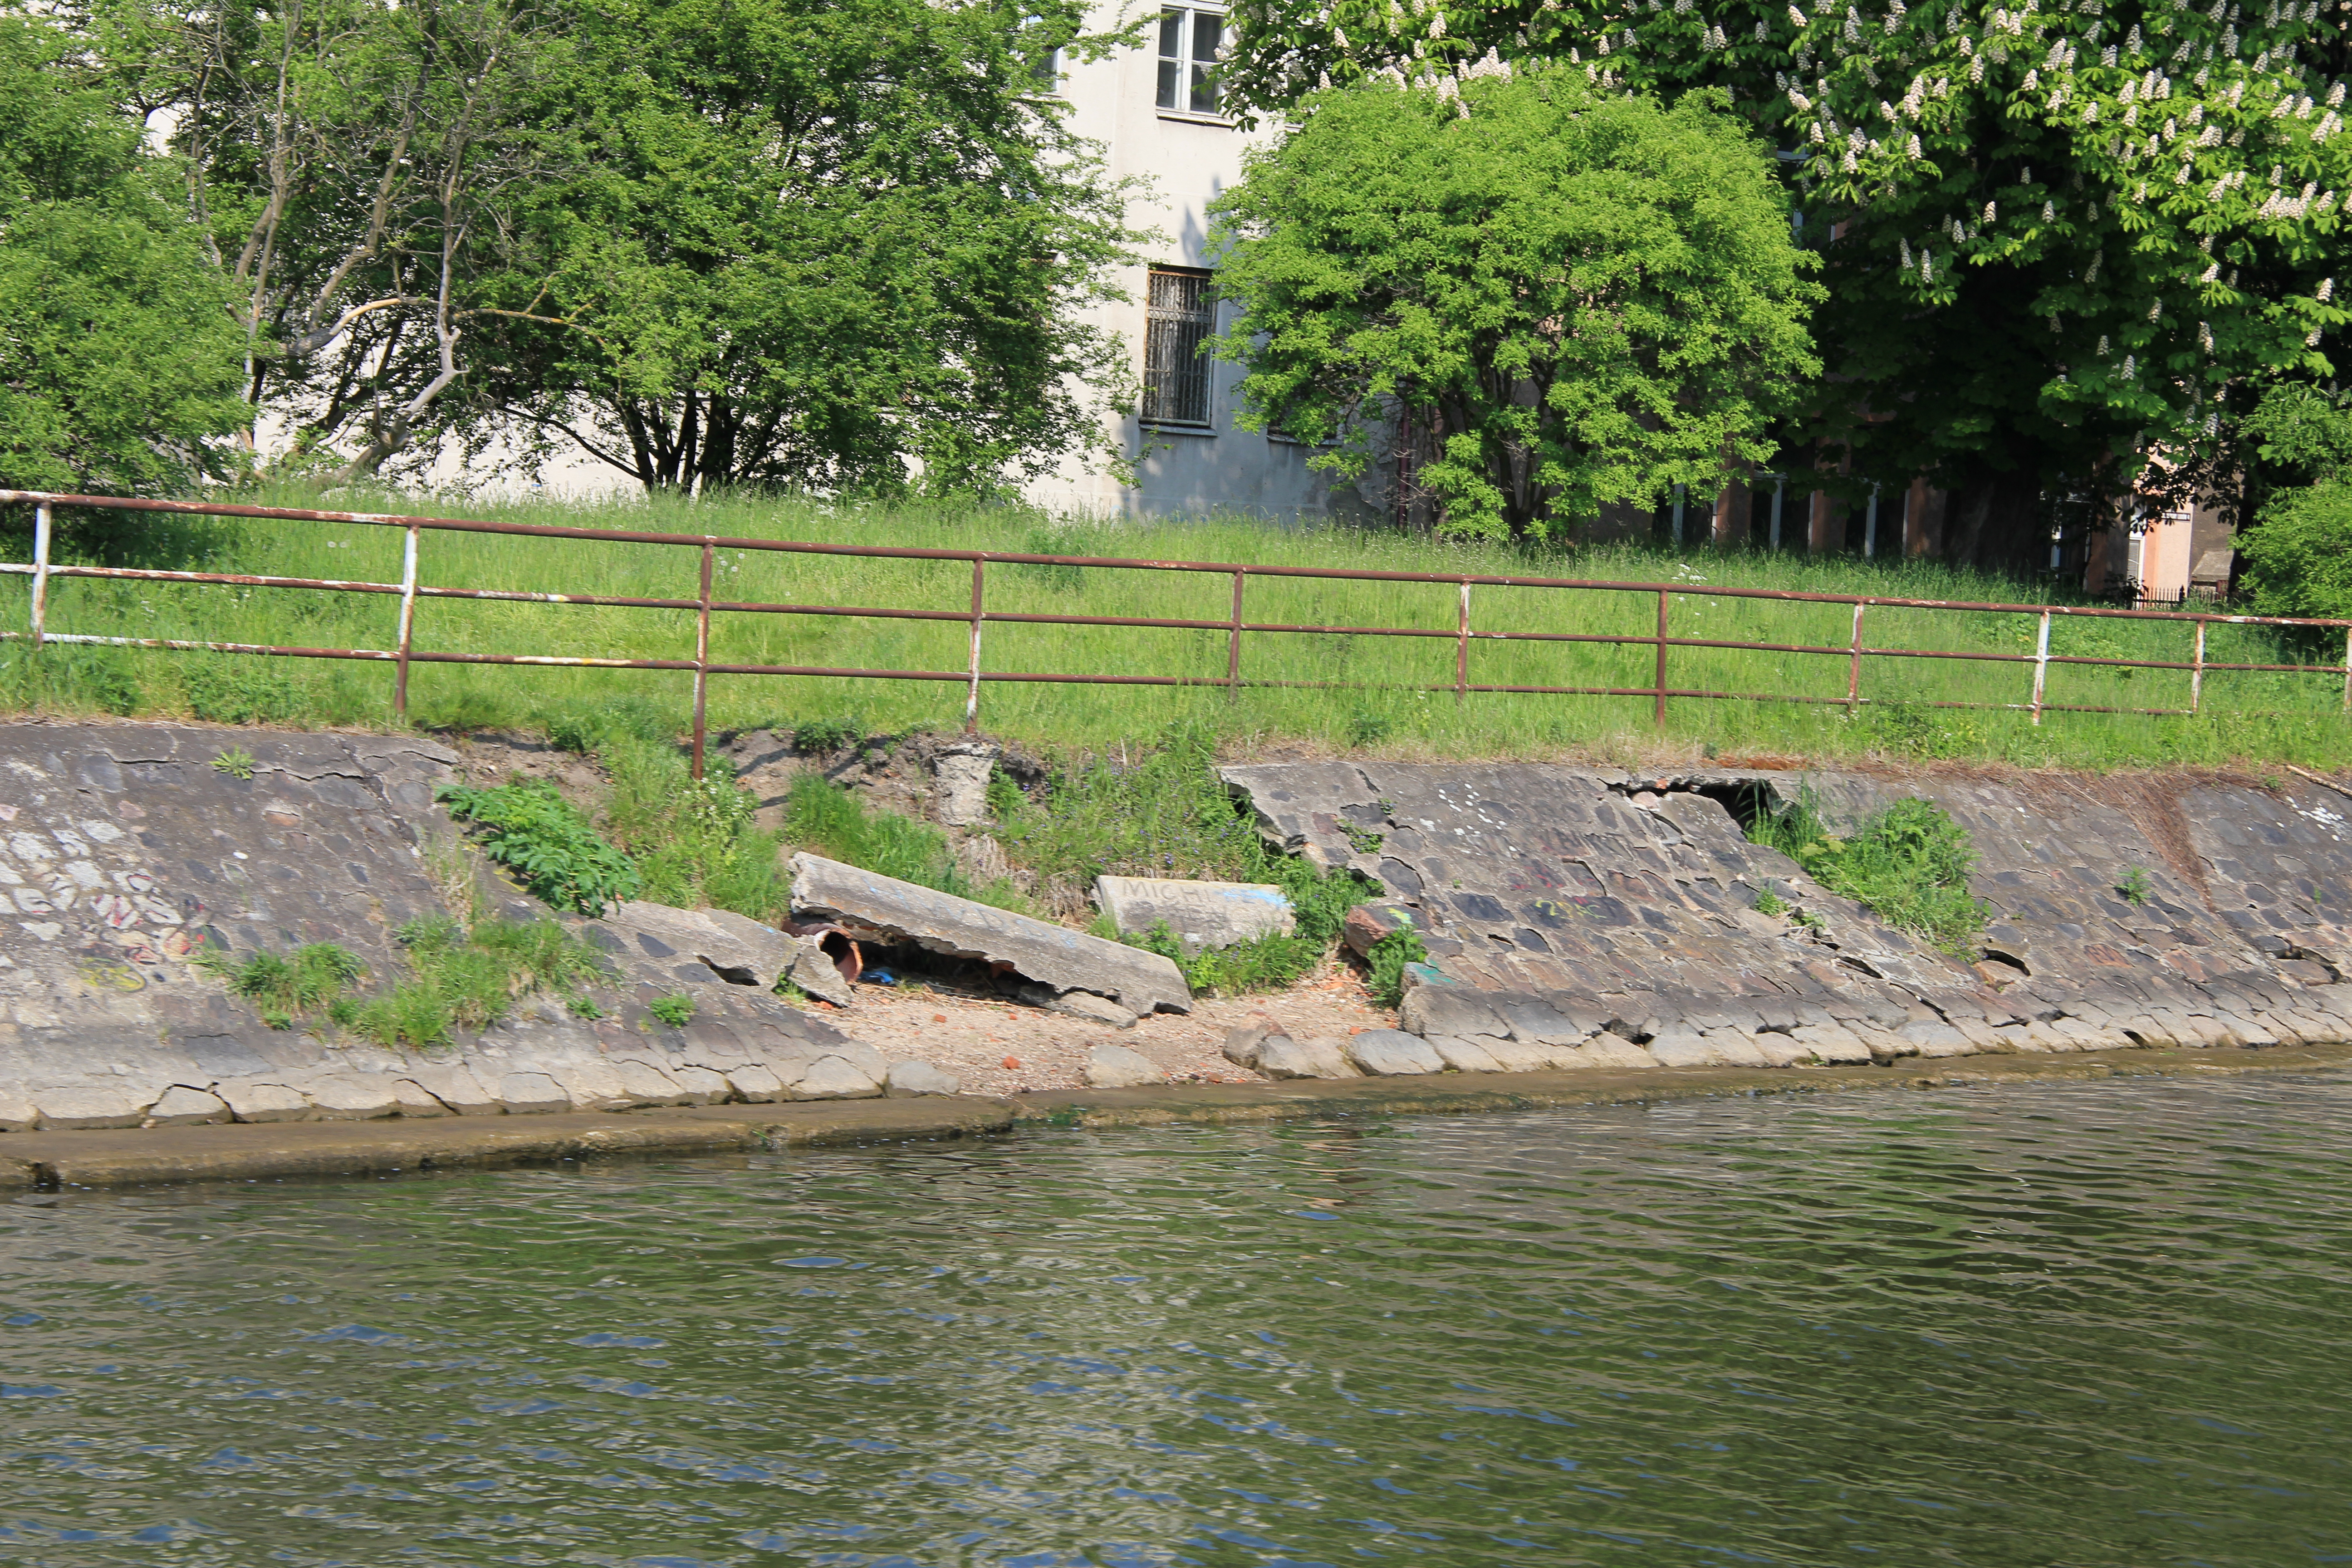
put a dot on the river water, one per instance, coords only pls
(2087, 1324)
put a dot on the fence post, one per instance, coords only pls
(2197, 672)
(2041, 665)
(1779, 488)
(407, 624)
(1659, 719)
(1462, 647)
(971, 695)
(1233, 644)
(2347, 669)
(1853, 665)
(701, 660)
(40, 572)
(1870, 527)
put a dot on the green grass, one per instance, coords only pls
(2249, 717)
(1908, 864)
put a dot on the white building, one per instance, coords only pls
(1155, 111)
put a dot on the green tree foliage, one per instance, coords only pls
(1589, 298)
(2296, 452)
(360, 166)
(2050, 230)
(119, 363)
(836, 246)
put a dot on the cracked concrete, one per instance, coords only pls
(1627, 902)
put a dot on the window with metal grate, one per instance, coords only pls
(1180, 313)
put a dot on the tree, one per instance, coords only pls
(1591, 298)
(356, 164)
(2054, 239)
(118, 356)
(2296, 447)
(828, 245)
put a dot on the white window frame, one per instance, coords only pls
(1181, 75)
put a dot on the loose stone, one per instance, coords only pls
(1116, 1067)
(1280, 1056)
(1392, 1053)
(908, 1081)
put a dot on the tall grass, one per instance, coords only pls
(1382, 699)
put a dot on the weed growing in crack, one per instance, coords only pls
(283, 989)
(1908, 864)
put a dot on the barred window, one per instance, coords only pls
(1181, 313)
(1188, 59)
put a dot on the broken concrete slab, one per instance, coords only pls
(702, 1086)
(738, 950)
(882, 908)
(18, 1113)
(1116, 1067)
(1202, 914)
(1076, 1004)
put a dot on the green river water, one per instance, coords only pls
(2087, 1325)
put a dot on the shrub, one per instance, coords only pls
(1908, 864)
(531, 827)
(2298, 561)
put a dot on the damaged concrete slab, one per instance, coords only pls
(1620, 908)
(874, 907)
(1202, 914)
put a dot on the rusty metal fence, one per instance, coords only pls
(42, 570)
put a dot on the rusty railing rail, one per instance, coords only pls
(43, 570)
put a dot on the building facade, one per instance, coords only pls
(1157, 115)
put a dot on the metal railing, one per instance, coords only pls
(410, 589)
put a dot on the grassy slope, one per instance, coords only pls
(2251, 717)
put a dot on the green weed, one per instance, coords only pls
(1387, 961)
(1908, 864)
(676, 1010)
(829, 734)
(2134, 887)
(461, 978)
(692, 841)
(224, 689)
(527, 825)
(1768, 902)
(236, 763)
(283, 989)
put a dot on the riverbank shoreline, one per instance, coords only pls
(306, 1150)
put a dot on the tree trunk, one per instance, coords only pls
(1993, 522)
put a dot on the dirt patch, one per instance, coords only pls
(972, 1033)
(496, 757)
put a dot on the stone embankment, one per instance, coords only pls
(1589, 918)
(1584, 926)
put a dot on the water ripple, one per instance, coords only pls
(2090, 1324)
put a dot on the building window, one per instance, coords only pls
(1181, 313)
(1188, 59)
